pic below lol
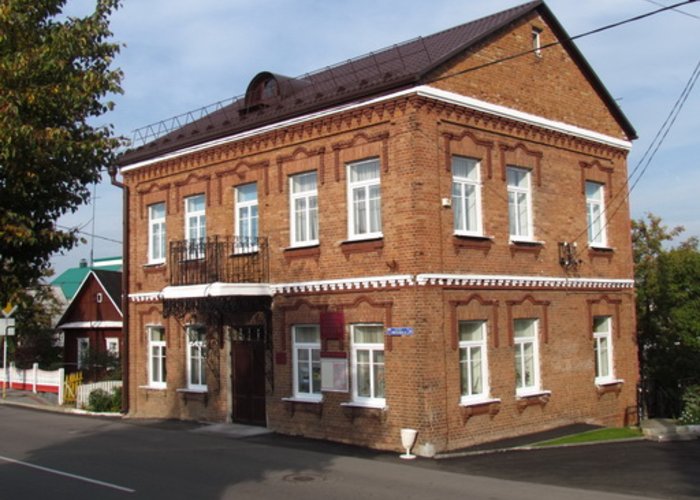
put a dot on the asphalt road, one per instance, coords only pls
(57, 456)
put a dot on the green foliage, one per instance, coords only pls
(103, 402)
(100, 365)
(668, 312)
(691, 406)
(55, 78)
(38, 309)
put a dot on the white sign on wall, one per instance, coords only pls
(334, 374)
(7, 326)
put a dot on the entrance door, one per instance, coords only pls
(248, 375)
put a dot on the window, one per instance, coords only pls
(156, 356)
(368, 364)
(112, 346)
(307, 361)
(196, 358)
(195, 226)
(602, 346)
(537, 41)
(303, 209)
(595, 208)
(466, 196)
(156, 233)
(246, 218)
(364, 200)
(519, 203)
(527, 369)
(83, 352)
(472, 360)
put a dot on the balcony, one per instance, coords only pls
(219, 259)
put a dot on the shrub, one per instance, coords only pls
(691, 406)
(101, 401)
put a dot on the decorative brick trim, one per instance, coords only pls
(367, 139)
(544, 304)
(608, 171)
(349, 247)
(616, 315)
(454, 304)
(488, 146)
(490, 407)
(312, 252)
(537, 155)
(540, 399)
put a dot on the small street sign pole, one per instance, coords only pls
(8, 325)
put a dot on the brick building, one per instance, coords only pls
(433, 236)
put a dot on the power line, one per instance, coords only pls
(676, 10)
(88, 234)
(559, 42)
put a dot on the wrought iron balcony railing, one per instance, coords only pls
(219, 259)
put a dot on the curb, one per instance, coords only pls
(59, 409)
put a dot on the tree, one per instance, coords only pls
(668, 312)
(34, 341)
(55, 78)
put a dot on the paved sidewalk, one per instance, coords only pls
(45, 400)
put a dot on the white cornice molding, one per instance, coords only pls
(425, 91)
(90, 325)
(481, 281)
(521, 282)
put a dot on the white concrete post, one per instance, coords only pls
(61, 383)
(35, 378)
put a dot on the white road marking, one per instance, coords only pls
(67, 474)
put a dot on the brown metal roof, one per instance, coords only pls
(387, 70)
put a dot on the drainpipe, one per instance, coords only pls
(125, 287)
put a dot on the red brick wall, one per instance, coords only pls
(414, 139)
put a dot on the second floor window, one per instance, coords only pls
(466, 196)
(519, 203)
(304, 209)
(364, 200)
(246, 229)
(195, 226)
(156, 233)
(595, 209)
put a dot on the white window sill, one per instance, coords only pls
(602, 248)
(477, 402)
(196, 390)
(155, 263)
(245, 251)
(309, 400)
(478, 236)
(153, 387)
(306, 244)
(534, 393)
(364, 237)
(524, 241)
(605, 382)
(379, 405)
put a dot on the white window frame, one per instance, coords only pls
(461, 198)
(114, 341)
(309, 348)
(364, 186)
(537, 41)
(597, 236)
(197, 220)
(82, 348)
(372, 348)
(196, 353)
(246, 211)
(157, 379)
(466, 362)
(600, 337)
(309, 221)
(521, 233)
(520, 344)
(156, 228)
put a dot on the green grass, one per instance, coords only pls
(595, 435)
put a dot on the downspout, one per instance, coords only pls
(125, 288)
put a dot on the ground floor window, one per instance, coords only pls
(196, 358)
(368, 384)
(307, 361)
(156, 356)
(527, 369)
(472, 360)
(602, 347)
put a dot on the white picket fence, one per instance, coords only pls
(34, 380)
(84, 391)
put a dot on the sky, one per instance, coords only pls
(181, 55)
